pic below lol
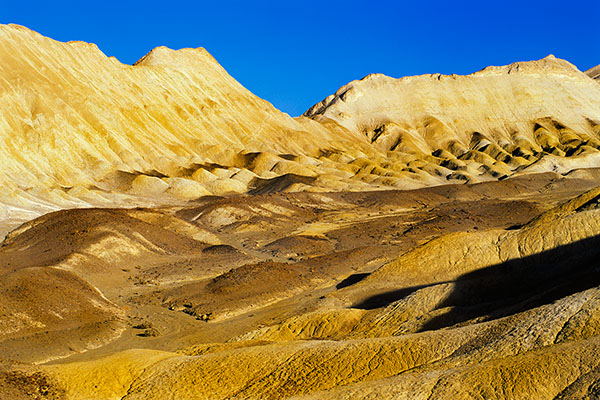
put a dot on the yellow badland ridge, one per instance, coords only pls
(81, 129)
(73, 118)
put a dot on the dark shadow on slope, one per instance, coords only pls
(351, 280)
(278, 184)
(522, 284)
(387, 298)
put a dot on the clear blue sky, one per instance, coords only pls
(295, 53)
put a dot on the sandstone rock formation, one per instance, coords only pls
(170, 235)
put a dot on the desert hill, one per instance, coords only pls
(78, 126)
(500, 117)
(167, 234)
(80, 129)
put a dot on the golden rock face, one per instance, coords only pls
(171, 235)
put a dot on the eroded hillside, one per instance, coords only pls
(80, 129)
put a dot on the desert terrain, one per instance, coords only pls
(166, 234)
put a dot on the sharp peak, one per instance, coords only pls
(166, 56)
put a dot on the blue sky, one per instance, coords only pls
(295, 53)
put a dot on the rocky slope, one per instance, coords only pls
(78, 127)
(499, 103)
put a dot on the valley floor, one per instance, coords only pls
(486, 290)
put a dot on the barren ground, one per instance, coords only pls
(238, 272)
